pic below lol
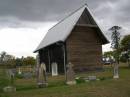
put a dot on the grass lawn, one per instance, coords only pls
(108, 87)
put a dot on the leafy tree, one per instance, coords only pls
(6, 59)
(125, 45)
(2, 56)
(125, 42)
(108, 54)
(115, 45)
(18, 62)
(115, 41)
(29, 61)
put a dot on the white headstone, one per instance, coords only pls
(54, 69)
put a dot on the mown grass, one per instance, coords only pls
(108, 87)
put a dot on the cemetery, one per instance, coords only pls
(105, 86)
(70, 64)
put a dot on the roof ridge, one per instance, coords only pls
(85, 5)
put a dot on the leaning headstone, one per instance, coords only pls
(42, 79)
(54, 69)
(70, 75)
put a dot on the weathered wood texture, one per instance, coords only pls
(86, 18)
(84, 49)
(51, 54)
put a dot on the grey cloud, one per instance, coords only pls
(107, 12)
(43, 10)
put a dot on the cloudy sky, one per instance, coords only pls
(23, 23)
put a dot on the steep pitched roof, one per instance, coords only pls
(62, 30)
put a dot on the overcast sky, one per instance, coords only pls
(23, 23)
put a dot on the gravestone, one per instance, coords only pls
(11, 76)
(70, 75)
(116, 73)
(10, 87)
(27, 75)
(92, 78)
(19, 71)
(42, 80)
(54, 69)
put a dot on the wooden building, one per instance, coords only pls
(76, 39)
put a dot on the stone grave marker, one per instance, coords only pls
(54, 69)
(42, 79)
(116, 74)
(27, 75)
(70, 75)
(92, 78)
(10, 87)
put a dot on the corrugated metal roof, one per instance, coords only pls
(61, 30)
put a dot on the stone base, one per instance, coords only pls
(42, 85)
(9, 89)
(116, 77)
(71, 82)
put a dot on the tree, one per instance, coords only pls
(29, 60)
(125, 42)
(125, 45)
(108, 54)
(115, 45)
(6, 59)
(2, 56)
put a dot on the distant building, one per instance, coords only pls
(76, 39)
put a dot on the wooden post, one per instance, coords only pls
(64, 60)
(49, 61)
(37, 66)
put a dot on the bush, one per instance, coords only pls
(19, 76)
(123, 59)
(79, 80)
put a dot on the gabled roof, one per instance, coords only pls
(62, 30)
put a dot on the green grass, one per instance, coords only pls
(108, 87)
(4, 81)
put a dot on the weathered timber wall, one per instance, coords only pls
(84, 49)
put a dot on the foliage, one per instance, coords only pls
(115, 41)
(108, 54)
(29, 61)
(125, 42)
(25, 61)
(10, 60)
(18, 62)
(19, 76)
(123, 58)
(125, 48)
(6, 59)
(115, 37)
